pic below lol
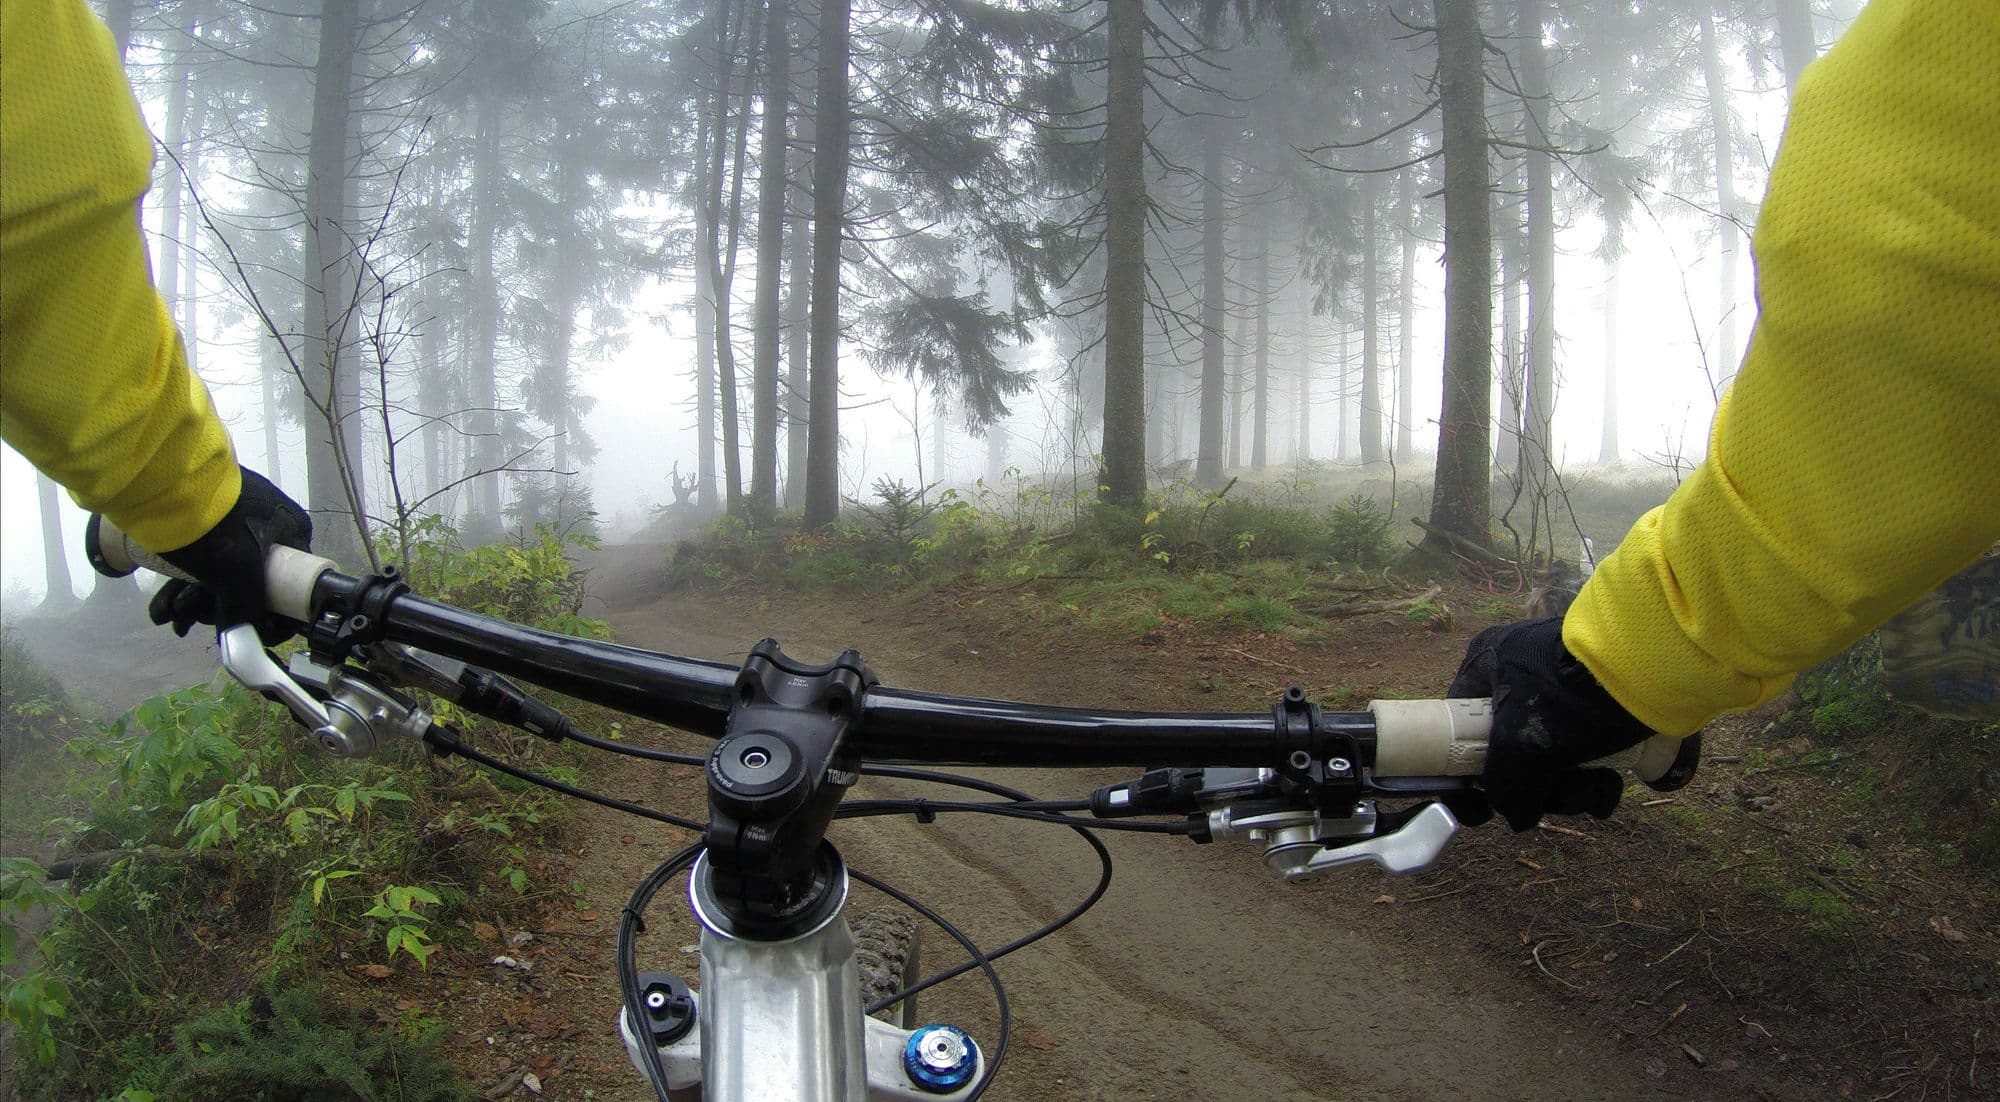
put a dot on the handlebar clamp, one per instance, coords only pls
(353, 618)
(1322, 759)
(775, 779)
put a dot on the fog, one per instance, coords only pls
(512, 244)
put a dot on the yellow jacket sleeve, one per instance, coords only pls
(1855, 462)
(94, 384)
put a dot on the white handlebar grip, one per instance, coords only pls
(1447, 738)
(289, 574)
(1431, 738)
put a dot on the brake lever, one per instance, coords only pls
(246, 660)
(1408, 848)
(1300, 844)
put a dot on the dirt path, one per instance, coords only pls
(1200, 975)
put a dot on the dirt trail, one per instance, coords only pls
(1200, 975)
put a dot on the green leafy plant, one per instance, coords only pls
(1360, 532)
(408, 928)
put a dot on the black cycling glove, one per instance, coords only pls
(1549, 717)
(228, 564)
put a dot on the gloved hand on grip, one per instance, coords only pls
(1549, 717)
(228, 563)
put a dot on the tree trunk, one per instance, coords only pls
(61, 594)
(996, 452)
(1539, 404)
(1405, 358)
(1795, 40)
(1607, 448)
(1124, 447)
(796, 364)
(1371, 337)
(1302, 449)
(1208, 452)
(1725, 198)
(1461, 501)
(191, 229)
(118, 17)
(332, 375)
(770, 263)
(1237, 344)
(482, 520)
(1341, 392)
(1260, 392)
(723, 257)
(830, 111)
(167, 264)
(1513, 356)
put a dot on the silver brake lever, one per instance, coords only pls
(1413, 847)
(244, 656)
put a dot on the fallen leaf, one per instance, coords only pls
(484, 931)
(1947, 931)
(533, 1082)
(1384, 899)
(1636, 905)
(587, 916)
(377, 971)
(628, 839)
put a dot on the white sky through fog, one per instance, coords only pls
(644, 420)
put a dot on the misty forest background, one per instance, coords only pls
(1182, 241)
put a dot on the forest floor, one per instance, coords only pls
(1762, 934)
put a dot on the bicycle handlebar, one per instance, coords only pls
(1407, 738)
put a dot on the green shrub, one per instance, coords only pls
(292, 1043)
(1360, 532)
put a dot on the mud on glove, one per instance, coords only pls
(227, 562)
(1549, 717)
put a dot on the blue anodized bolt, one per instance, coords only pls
(940, 1058)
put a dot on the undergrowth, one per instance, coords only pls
(1265, 559)
(233, 878)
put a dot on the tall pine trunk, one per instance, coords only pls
(55, 562)
(764, 310)
(1461, 499)
(1208, 450)
(1607, 446)
(1507, 214)
(1405, 353)
(1539, 402)
(1725, 197)
(1371, 322)
(331, 385)
(1124, 446)
(482, 520)
(796, 373)
(1796, 43)
(1260, 387)
(830, 112)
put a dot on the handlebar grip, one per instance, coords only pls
(289, 574)
(1447, 738)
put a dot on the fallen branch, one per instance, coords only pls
(64, 869)
(1400, 604)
